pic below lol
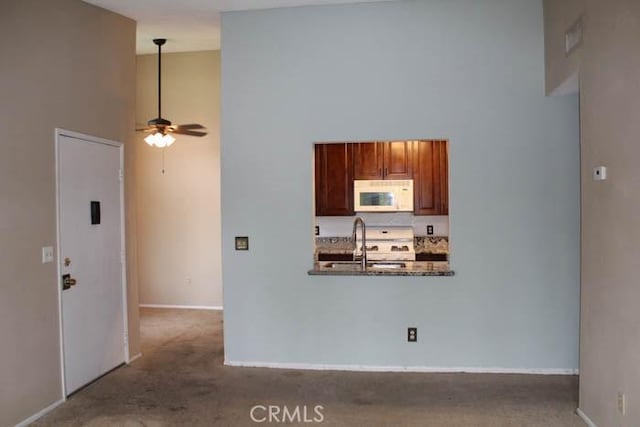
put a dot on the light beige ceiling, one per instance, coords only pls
(190, 25)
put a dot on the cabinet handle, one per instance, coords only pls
(380, 172)
(385, 172)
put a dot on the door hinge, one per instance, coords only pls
(126, 338)
(123, 257)
(120, 174)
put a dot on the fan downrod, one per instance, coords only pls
(159, 43)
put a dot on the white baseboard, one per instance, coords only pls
(40, 414)
(131, 359)
(183, 307)
(585, 418)
(425, 369)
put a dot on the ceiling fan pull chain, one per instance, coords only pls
(163, 150)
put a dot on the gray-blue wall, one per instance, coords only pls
(469, 71)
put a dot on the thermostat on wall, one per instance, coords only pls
(600, 173)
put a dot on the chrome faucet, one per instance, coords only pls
(363, 258)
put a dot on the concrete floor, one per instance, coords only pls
(181, 381)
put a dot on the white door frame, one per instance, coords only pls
(92, 140)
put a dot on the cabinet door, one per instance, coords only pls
(430, 178)
(334, 179)
(368, 160)
(398, 160)
(443, 148)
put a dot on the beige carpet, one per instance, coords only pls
(181, 381)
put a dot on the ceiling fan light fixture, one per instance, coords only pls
(159, 140)
(161, 129)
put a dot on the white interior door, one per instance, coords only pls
(91, 253)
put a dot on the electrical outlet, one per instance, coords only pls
(429, 230)
(188, 280)
(621, 403)
(412, 334)
(317, 230)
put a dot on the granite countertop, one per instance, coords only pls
(344, 245)
(431, 244)
(334, 245)
(412, 268)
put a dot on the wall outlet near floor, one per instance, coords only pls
(621, 403)
(317, 230)
(429, 230)
(412, 334)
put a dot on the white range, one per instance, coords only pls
(392, 243)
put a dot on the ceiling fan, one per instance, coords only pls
(160, 129)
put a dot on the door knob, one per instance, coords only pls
(67, 281)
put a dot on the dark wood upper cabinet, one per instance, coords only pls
(430, 178)
(334, 179)
(383, 160)
(368, 160)
(398, 160)
(337, 165)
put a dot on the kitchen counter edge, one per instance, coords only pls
(316, 271)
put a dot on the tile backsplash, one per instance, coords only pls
(343, 225)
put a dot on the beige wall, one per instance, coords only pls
(179, 211)
(610, 128)
(610, 105)
(559, 16)
(64, 64)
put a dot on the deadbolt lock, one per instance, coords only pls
(67, 282)
(67, 262)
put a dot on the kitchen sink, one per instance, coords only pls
(386, 265)
(351, 265)
(344, 265)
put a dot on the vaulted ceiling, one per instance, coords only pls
(190, 25)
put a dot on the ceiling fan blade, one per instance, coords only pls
(189, 132)
(191, 126)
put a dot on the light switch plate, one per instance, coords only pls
(599, 173)
(242, 243)
(47, 254)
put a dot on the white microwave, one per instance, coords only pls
(377, 195)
